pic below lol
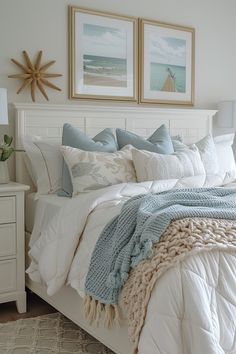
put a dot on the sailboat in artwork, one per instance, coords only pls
(170, 83)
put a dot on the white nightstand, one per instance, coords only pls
(12, 244)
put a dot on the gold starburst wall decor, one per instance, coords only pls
(35, 75)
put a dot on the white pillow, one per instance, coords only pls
(227, 167)
(46, 164)
(91, 170)
(208, 153)
(30, 170)
(152, 166)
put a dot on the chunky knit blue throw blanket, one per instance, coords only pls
(129, 237)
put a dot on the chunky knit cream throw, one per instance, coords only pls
(181, 239)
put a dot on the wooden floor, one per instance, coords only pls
(35, 307)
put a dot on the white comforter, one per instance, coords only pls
(193, 305)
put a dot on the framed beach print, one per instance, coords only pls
(103, 55)
(166, 63)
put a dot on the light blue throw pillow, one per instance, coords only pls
(74, 137)
(160, 141)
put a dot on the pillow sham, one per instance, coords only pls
(227, 166)
(45, 162)
(151, 166)
(160, 141)
(74, 137)
(30, 171)
(208, 153)
(94, 170)
(207, 149)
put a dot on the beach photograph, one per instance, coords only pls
(104, 56)
(168, 64)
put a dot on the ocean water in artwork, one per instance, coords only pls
(161, 73)
(105, 71)
(104, 56)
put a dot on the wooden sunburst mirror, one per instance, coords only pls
(35, 75)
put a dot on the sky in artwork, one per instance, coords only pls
(168, 50)
(104, 41)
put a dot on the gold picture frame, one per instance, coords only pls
(170, 48)
(97, 69)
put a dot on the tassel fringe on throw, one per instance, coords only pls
(94, 309)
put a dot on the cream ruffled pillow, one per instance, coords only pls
(92, 170)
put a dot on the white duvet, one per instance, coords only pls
(192, 309)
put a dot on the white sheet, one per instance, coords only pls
(40, 211)
(30, 210)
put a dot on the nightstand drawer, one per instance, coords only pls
(7, 275)
(7, 209)
(7, 240)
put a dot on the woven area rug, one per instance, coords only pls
(48, 334)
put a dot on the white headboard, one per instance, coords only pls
(47, 121)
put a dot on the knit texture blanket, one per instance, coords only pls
(181, 239)
(128, 238)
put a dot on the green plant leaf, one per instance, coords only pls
(8, 139)
(6, 153)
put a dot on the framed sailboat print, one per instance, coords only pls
(103, 55)
(166, 63)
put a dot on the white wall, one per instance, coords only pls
(42, 24)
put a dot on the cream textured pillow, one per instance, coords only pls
(91, 170)
(151, 166)
(208, 153)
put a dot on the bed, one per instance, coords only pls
(47, 121)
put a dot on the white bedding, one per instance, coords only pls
(30, 211)
(39, 211)
(185, 313)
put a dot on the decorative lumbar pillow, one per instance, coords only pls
(45, 163)
(94, 170)
(159, 141)
(151, 166)
(227, 167)
(74, 137)
(208, 153)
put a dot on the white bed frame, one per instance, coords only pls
(47, 121)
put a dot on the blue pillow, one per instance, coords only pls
(74, 137)
(159, 141)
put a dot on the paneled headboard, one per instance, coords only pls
(46, 120)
